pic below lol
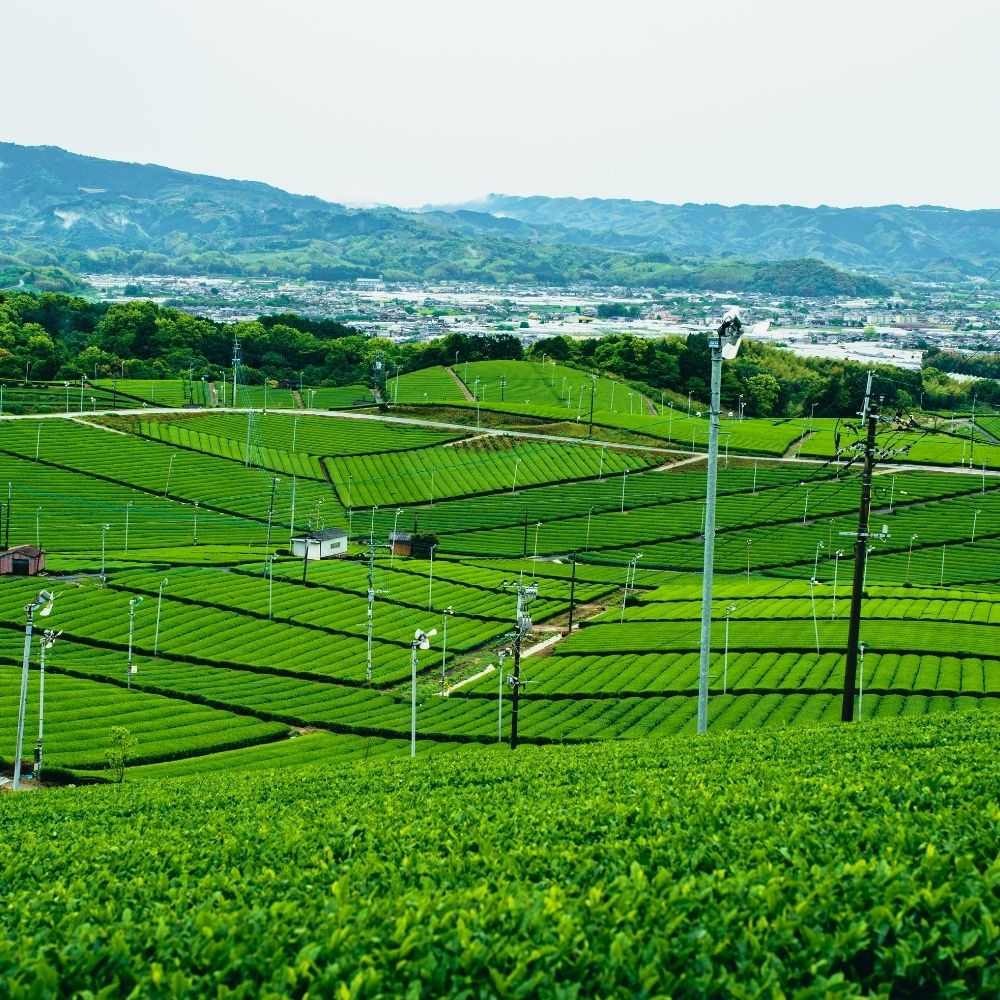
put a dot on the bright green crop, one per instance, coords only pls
(846, 861)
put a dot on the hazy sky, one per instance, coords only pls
(842, 102)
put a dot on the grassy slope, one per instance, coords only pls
(855, 861)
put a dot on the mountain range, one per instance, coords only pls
(921, 241)
(61, 210)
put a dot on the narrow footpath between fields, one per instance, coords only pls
(460, 384)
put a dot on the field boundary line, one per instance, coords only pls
(461, 385)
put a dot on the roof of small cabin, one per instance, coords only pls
(24, 550)
(326, 535)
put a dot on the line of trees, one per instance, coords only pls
(53, 336)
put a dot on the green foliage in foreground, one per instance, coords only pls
(854, 861)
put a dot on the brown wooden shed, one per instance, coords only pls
(399, 542)
(22, 560)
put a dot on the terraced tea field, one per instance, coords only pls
(241, 659)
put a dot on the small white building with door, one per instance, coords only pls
(326, 544)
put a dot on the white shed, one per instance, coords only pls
(326, 544)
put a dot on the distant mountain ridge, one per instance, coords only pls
(922, 241)
(62, 210)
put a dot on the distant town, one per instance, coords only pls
(895, 330)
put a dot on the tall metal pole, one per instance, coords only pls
(159, 604)
(413, 698)
(972, 432)
(247, 461)
(628, 575)
(516, 677)
(430, 581)
(270, 517)
(48, 640)
(812, 601)
(371, 610)
(500, 700)
(909, 557)
(725, 655)
(28, 629)
(708, 562)
(860, 558)
(170, 469)
(131, 632)
(104, 535)
(572, 597)
(444, 648)
(392, 548)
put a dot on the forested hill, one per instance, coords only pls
(926, 240)
(59, 209)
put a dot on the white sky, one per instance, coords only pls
(845, 102)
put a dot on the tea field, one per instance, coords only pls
(243, 655)
(817, 862)
(272, 835)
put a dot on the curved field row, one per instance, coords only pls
(484, 466)
(981, 611)
(579, 674)
(548, 386)
(880, 636)
(313, 435)
(79, 715)
(157, 392)
(298, 751)
(64, 512)
(289, 463)
(155, 468)
(566, 500)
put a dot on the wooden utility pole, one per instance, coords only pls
(525, 595)
(870, 417)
